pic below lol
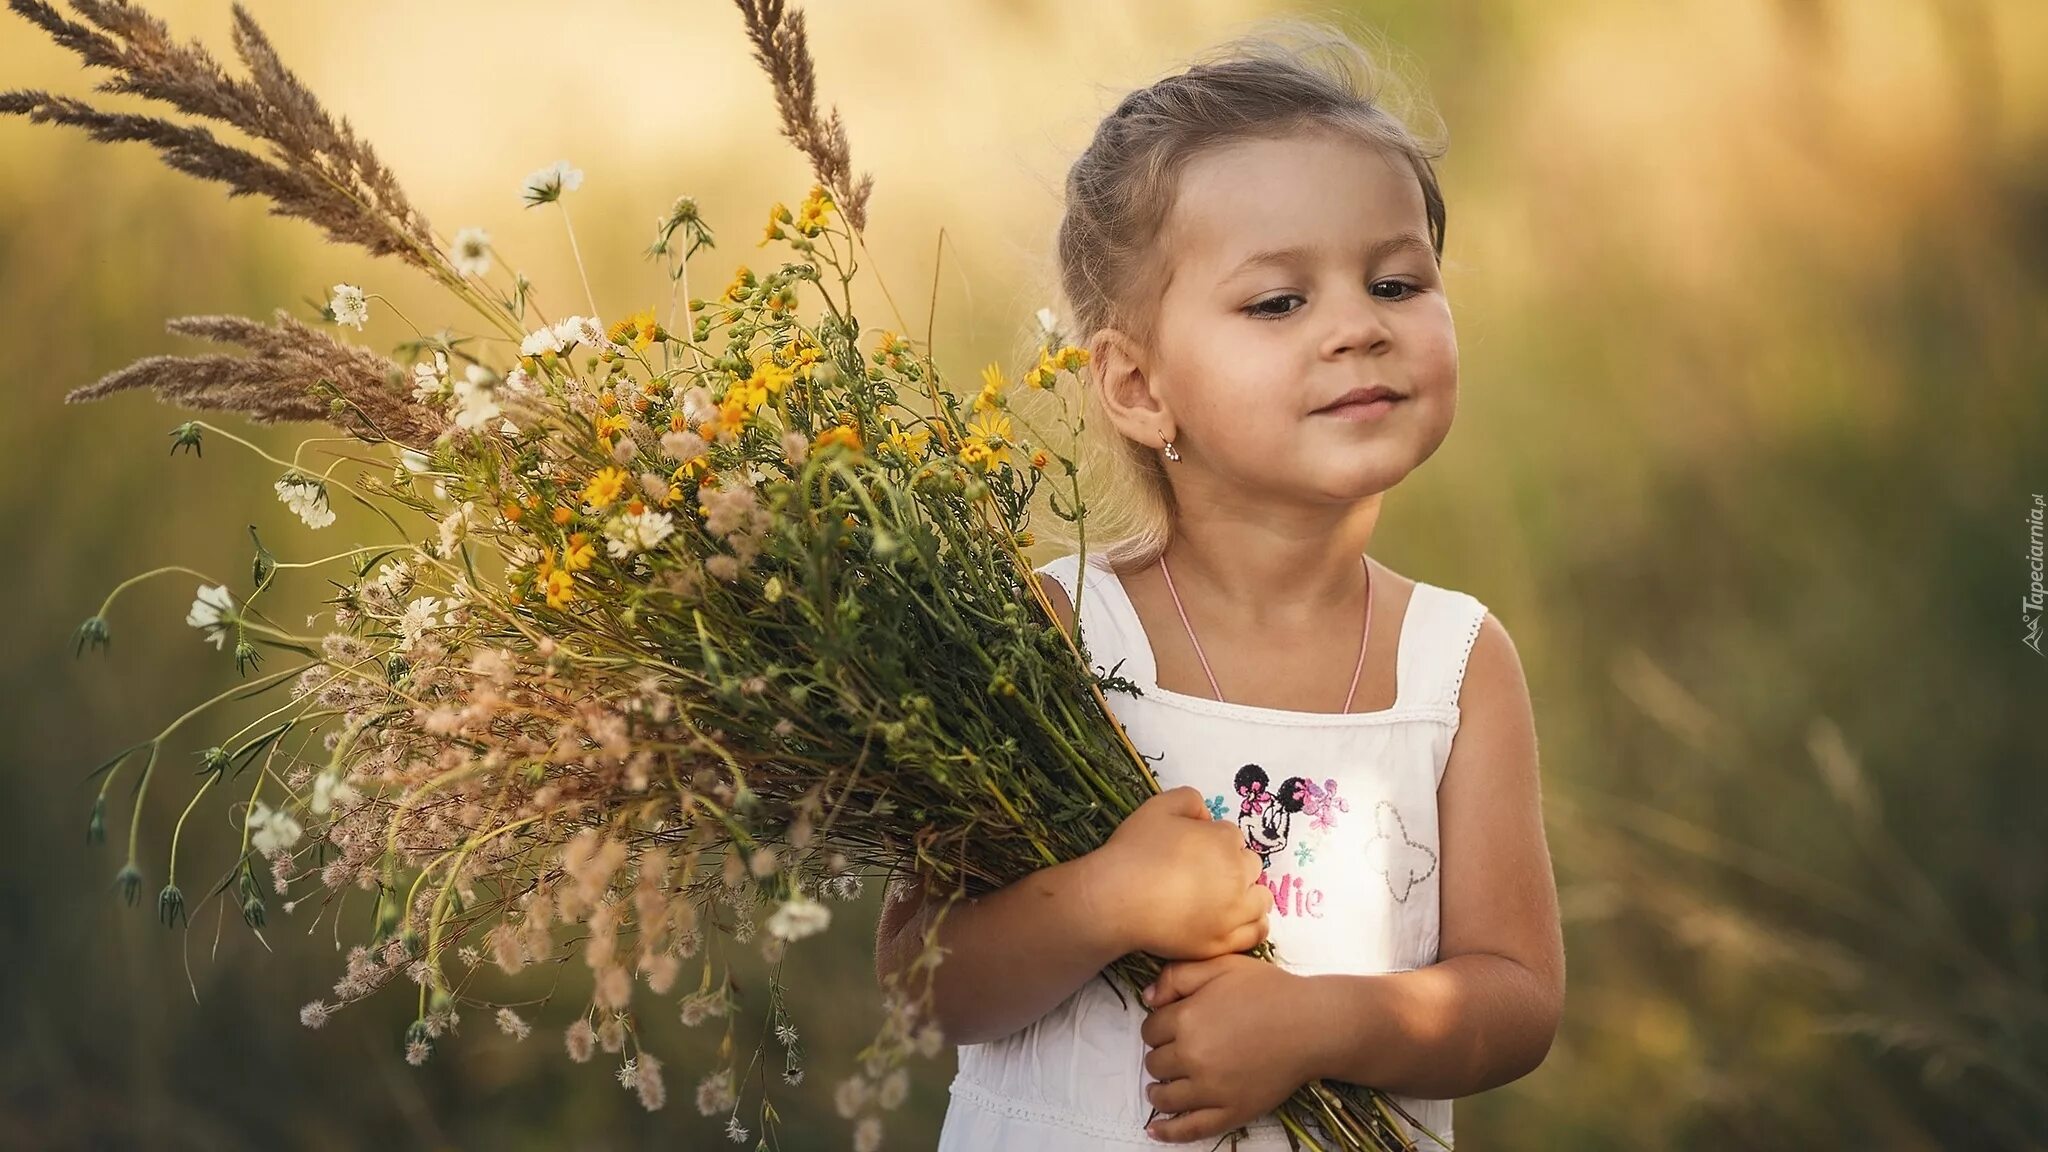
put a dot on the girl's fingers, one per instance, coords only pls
(1258, 901)
(1248, 936)
(1201, 1124)
(1164, 1063)
(1176, 1095)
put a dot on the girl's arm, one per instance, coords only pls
(1486, 1013)
(1011, 955)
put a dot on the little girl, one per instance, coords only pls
(1347, 755)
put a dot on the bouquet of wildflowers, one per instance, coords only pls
(682, 623)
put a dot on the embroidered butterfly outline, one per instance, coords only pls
(1400, 889)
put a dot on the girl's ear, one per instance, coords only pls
(1123, 379)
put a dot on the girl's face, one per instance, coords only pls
(1297, 270)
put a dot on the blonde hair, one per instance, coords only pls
(1287, 76)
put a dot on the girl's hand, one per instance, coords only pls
(1224, 1043)
(1179, 884)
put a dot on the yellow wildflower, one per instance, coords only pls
(777, 217)
(1039, 460)
(975, 454)
(800, 353)
(563, 514)
(1071, 358)
(810, 215)
(611, 425)
(637, 331)
(839, 434)
(605, 487)
(579, 552)
(991, 388)
(891, 350)
(742, 283)
(767, 377)
(1041, 375)
(992, 429)
(909, 444)
(561, 588)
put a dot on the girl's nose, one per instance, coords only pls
(1359, 324)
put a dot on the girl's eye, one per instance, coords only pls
(1402, 287)
(1256, 311)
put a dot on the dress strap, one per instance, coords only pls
(1105, 618)
(1436, 643)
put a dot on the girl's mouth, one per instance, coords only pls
(1361, 411)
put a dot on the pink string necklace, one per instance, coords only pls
(1363, 635)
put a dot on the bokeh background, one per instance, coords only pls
(1751, 296)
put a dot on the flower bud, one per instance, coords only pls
(129, 881)
(186, 436)
(170, 905)
(93, 632)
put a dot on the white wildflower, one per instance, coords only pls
(307, 497)
(800, 916)
(580, 330)
(394, 577)
(418, 617)
(1048, 324)
(735, 1129)
(330, 791)
(454, 527)
(414, 460)
(430, 381)
(517, 382)
(212, 611)
(540, 340)
(546, 185)
(476, 401)
(472, 251)
(636, 532)
(867, 1135)
(349, 306)
(274, 829)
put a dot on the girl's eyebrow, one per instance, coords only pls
(1378, 250)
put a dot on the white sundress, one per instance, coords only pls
(1342, 808)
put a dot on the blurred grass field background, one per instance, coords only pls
(1751, 297)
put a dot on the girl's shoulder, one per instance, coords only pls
(1441, 630)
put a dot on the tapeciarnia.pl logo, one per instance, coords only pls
(2036, 599)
